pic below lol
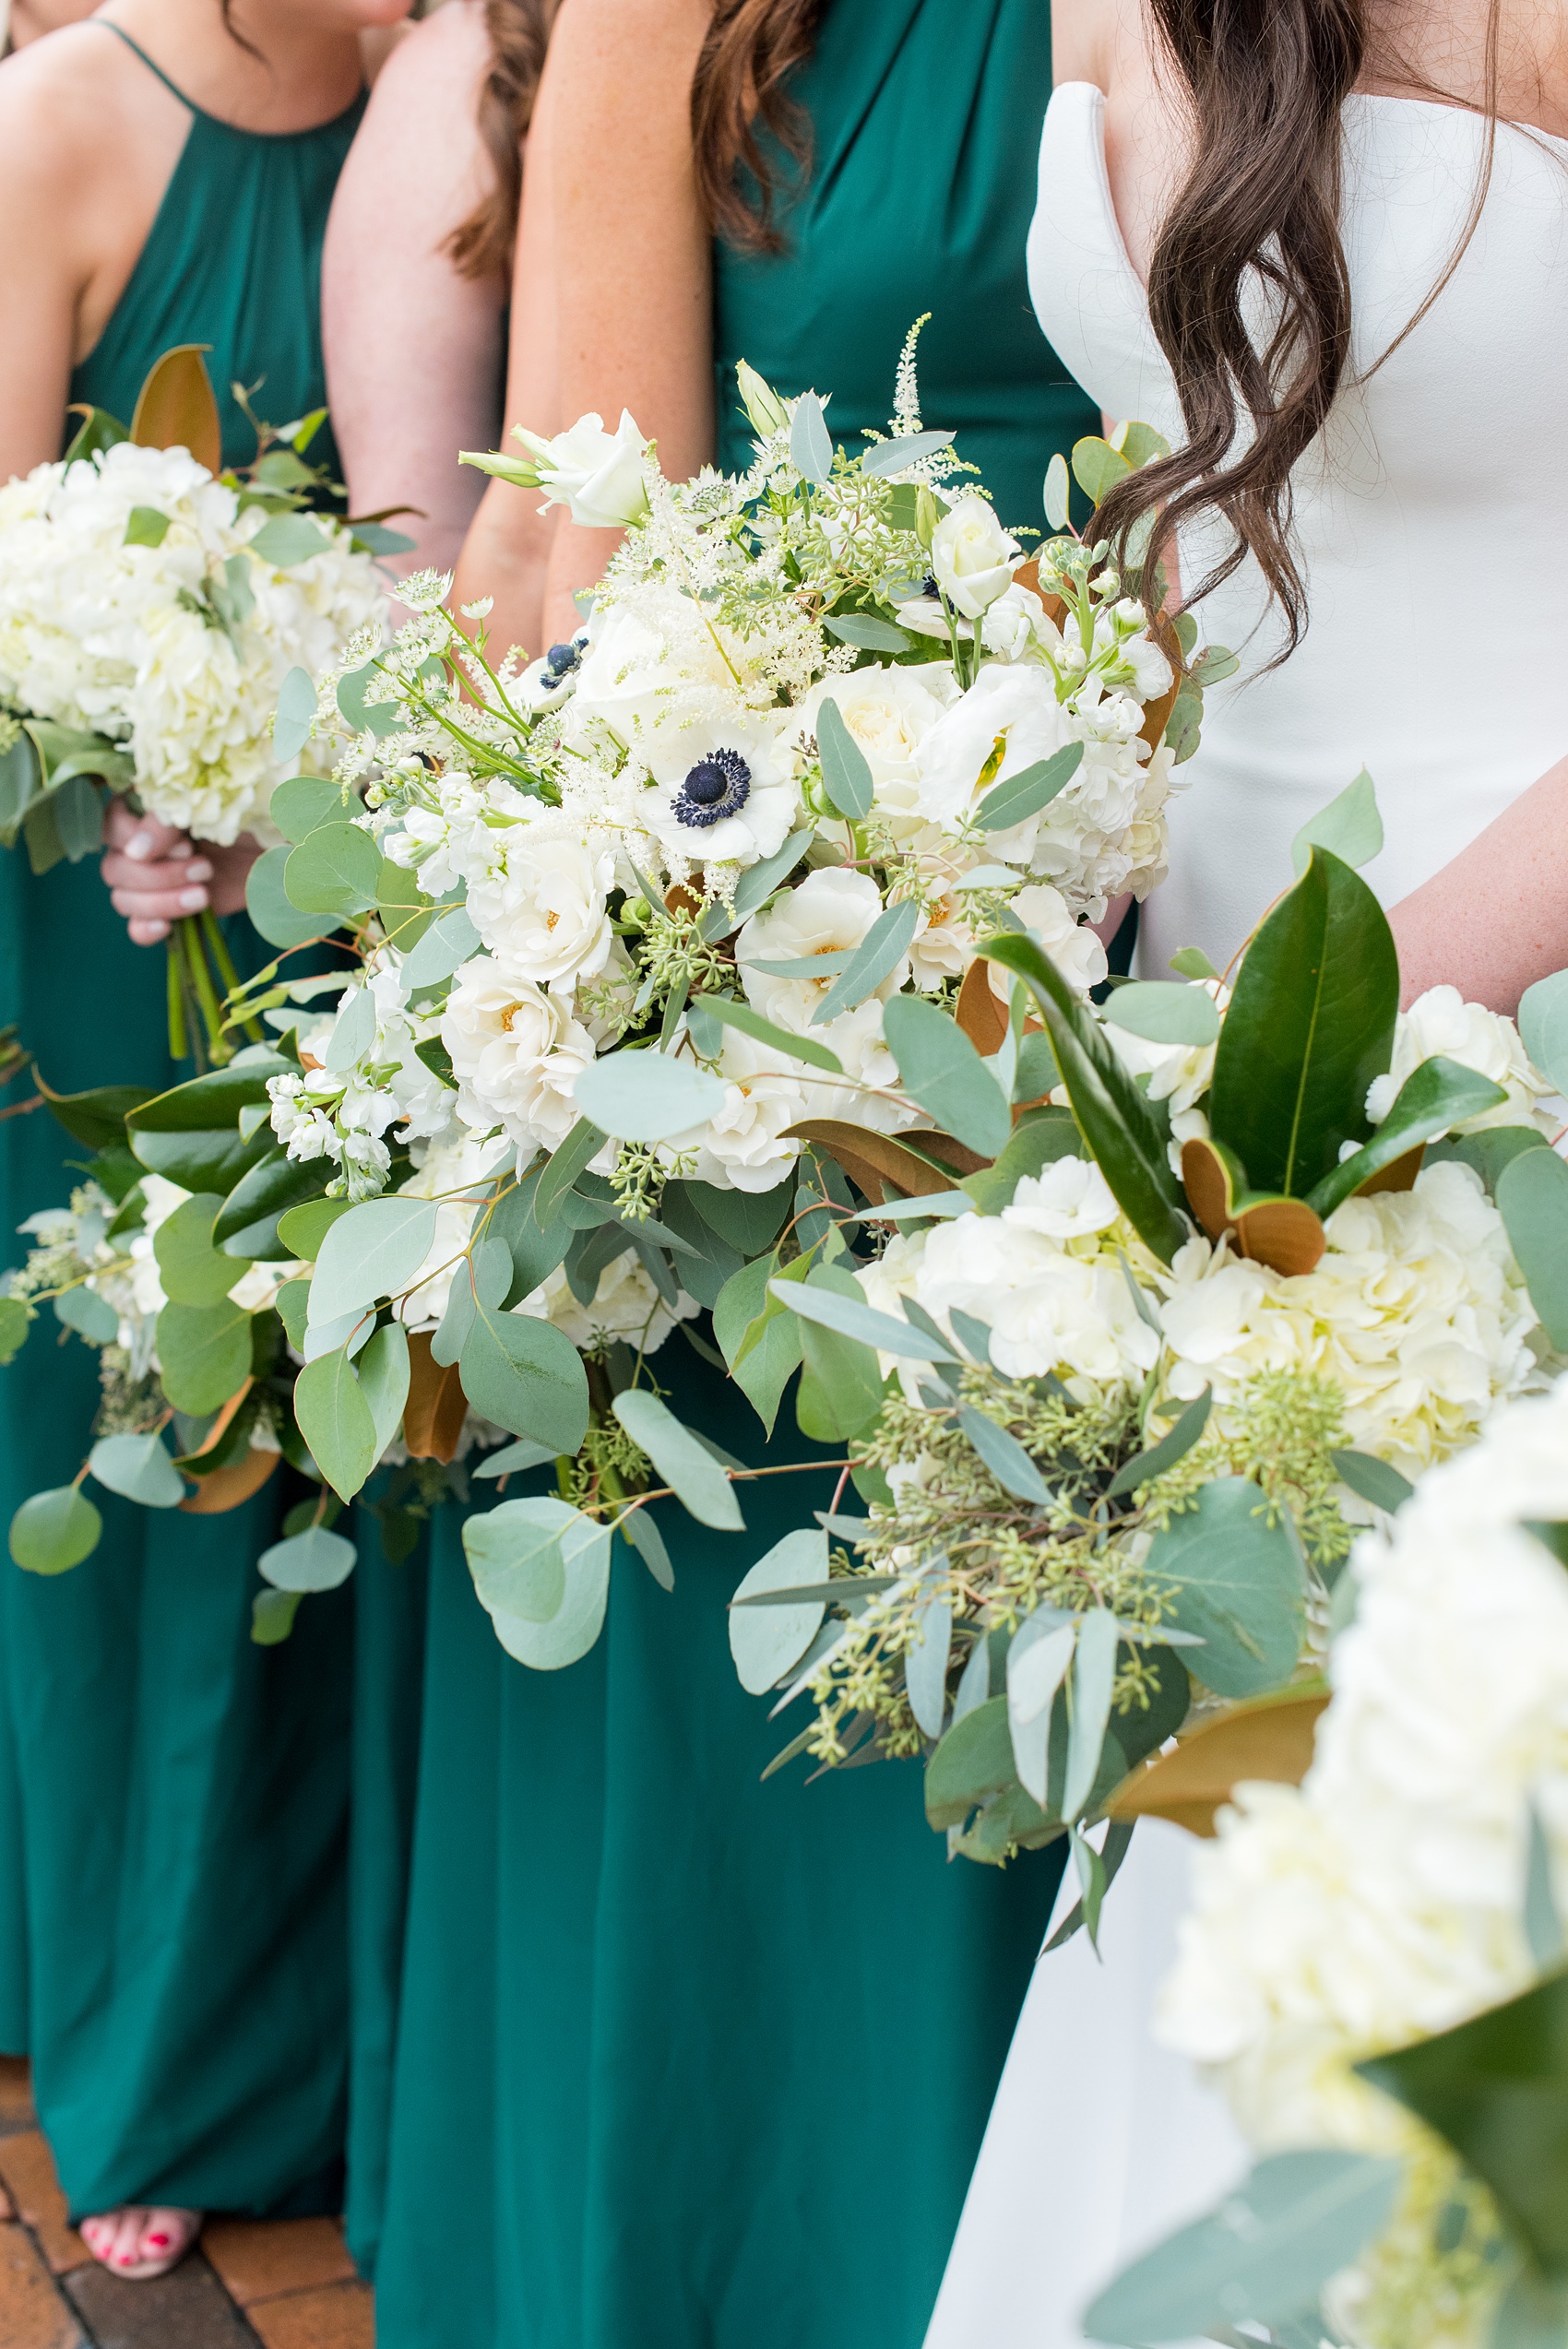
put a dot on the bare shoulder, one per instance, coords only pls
(447, 52)
(1108, 42)
(56, 97)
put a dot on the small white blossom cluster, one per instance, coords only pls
(174, 652)
(597, 811)
(1382, 1900)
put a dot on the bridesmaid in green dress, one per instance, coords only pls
(173, 1800)
(686, 2058)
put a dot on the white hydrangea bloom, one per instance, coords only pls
(1441, 1023)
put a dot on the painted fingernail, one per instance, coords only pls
(201, 871)
(192, 900)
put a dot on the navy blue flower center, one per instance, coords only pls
(718, 786)
(560, 659)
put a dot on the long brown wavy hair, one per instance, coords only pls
(738, 91)
(1264, 81)
(519, 35)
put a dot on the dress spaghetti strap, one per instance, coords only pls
(136, 50)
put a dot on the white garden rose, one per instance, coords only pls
(829, 914)
(542, 910)
(596, 475)
(743, 1148)
(888, 713)
(1441, 1021)
(972, 557)
(516, 1053)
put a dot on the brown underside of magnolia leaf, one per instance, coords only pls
(872, 1159)
(227, 1487)
(1273, 1741)
(978, 1010)
(437, 1407)
(1028, 576)
(222, 1425)
(175, 407)
(1284, 1234)
(951, 1151)
(1400, 1176)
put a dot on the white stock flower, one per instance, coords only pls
(598, 475)
(972, 557)
(516, 1053)
(1441, 1021)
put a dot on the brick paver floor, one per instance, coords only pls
(250, 2285)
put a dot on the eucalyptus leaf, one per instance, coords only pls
(336, 1421)
(730, 1013)
(296, 715)
(383, 1373)
(864, 631)
(1017, 796)
(51, 1532)
(1097, 467)
(513, 1458)
(379, 718)
(861, 1322)
(1005, 1456)
(811, 450)
(374, 1251)
(1094, 1674)
(840, 1377)
(1235, 1581)
(1174, 1445)
(510, 1533)
(700, 1484)
(768, 1642)
(1532, 1198)
(1543, 1026)
(1058, 493)
(91, 1316)
(893, 456)
(353, 1031)
(1349, 827)
(879, 953)
(640, 1530)
(286, 539)
(271, 909)
(925, 1662)
(333, 871)
(1372, 1479)
(312, 1561)
(845, 770)
(1164, 1013)
(940, 1068)
(647, 1096)
(272, 1617)
(760, 1340)
(138, 1469)
(1037, 1662)
(204, 1353)
(526, 1376)
(758, 881)
(445, 946)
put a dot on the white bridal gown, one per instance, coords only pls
(1434, 526)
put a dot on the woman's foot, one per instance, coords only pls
(139, 2242)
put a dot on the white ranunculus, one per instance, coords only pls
(545, 915)
(723, 789)
(972, 556)
(1441, 1021)
(598, 475)
(516, 1053)
(829, 914)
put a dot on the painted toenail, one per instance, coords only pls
(156, 2242)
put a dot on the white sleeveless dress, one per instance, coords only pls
(1434, 522)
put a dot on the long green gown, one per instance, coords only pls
(173, 1800)
(686, 2060)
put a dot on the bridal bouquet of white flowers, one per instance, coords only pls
(1374, 1967)
(1253, 1261)
(149, 612)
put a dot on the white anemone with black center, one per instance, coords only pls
(723, 790)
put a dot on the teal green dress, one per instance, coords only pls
(175, 1802)
(688, 2060)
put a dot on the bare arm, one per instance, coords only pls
(611, 208)
(1494, 919)
(413, 349)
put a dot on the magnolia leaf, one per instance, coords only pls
(845, 770)
(879, 953)
(175, 407)
(647, 1096)
(1164, 1013)
(700, 1484)
(55, 1531)
(768, 1642)
(1349, 827)
(290, 728)
(1235, 1581)
(1269, 1737)
(1434, 1097)
(139, 1468)
(312, 1561)
(337, 1422)
(1263, 2254)
(811, 450)
(510, 1550)
(1532, 1197)
(941, 1069)
(374, 1251)
(1543, 1026)
(1019, 796)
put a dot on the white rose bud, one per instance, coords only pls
(972, 556)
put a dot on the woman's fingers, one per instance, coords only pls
(142, 838)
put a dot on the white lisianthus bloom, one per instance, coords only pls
(829, 914)
(542, 910)
(516, 1053)
(956, 763)
(1441, 1021)
(1016, 625)
(972, 557)
(1072, 946)
(626, 1306)
(598, 475)
(723, 789)
(1417, 1312)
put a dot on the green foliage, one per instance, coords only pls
(512, 1551)
(699, 1484)
(272, 1617)
(15, 1322)
(1097, 467)
(55, 1531)
(1348, 827)
(205, 1351)
(1309, 1025)
(192, 1270)
(940, 1068)
(1231, 1574)
(374, 1251)
(1165, 1013)
(759, 1338)
(1019, 796)
(313, 1560)
(91, 1316)
(731, 1012)
(1543, 1026)
(1435, 1096)
(1036, 1142)
(768, 1642)
(526, 1376)
(879, 953)
(1263, 2255)
(247, 1223)
(647, 1096)
(337, 1422)
(138, 1469)
(1532, 1198)
(1372, 1479)
(146, 527)
(333, 872)
(288, 539)
(272, 909)
(840, 1378)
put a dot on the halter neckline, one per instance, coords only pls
(234, 129)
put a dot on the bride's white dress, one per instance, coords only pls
(1434, 520)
